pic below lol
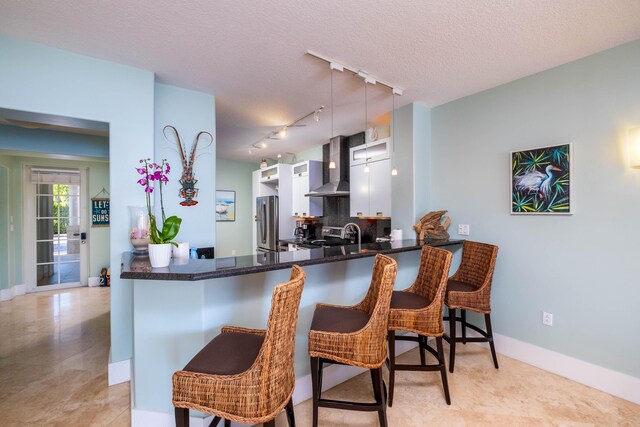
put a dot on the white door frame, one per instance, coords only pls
(29, 234)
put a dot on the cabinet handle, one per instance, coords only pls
(304, 214)
(379, 213)
(358, 213)
(300, 174)
(295, 213)
(269, 177)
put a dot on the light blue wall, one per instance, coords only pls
(189, 112)
(582, 268)
(10, 254)
(41, 79)
(47, 141)
(4, 227)
(422, 168)
(235, 236)
(411, 188)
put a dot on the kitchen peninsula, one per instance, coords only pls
(177, 310)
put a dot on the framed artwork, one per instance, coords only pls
(225, 205)
(541, 180)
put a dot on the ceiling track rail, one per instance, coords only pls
(335, 65)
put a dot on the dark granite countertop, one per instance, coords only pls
(138, 267)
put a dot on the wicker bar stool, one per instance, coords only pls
(470, 289)
(419, 309)
(245, 375)
(354, 336)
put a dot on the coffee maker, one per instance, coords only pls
(303, 231)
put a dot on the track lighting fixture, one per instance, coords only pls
(281, 132)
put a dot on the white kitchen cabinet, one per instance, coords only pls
(380, 188)
(358, 191)
(370, 193)
(306, 176)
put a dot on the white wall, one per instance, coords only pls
(582, 268)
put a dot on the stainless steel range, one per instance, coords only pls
(336, 236)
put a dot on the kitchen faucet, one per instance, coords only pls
(345, 232)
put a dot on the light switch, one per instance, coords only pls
(463, 229)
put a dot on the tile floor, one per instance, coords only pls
(54, 349)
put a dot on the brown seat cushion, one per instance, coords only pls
(338, 319)
(408, 300)
(457, 286)
(227, 354)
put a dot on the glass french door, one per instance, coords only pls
(59, 250)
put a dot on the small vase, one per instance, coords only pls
(181, 251)
(139, 234)
(160, 255)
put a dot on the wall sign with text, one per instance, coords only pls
(99, 212)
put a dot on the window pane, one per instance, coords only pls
(69, 272)
(44, 206)
(45, 252)
(46, 228)
(47, 274)
(64, 227)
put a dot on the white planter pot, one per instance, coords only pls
(160, 255)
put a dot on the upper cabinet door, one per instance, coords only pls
(380, 188)
(359, 191)
(269, 174)
(371, 152)
(298, 188)
(306, 176)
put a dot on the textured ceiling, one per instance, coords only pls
(251, 54)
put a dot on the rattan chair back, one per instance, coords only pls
(258, 394)
(433, 273)
(366, 347)
(430, 283)
(476, 268)
(277, 352)
(478, 262)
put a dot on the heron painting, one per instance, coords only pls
(541, 180)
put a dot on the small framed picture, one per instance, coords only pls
(225, 205)
(541, 181)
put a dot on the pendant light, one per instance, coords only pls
(366, 146)
(394, 171)
(332, 164)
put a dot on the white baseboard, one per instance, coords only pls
(615, 383)
(119, 372)
(14, 291)
(607, 380)
(142, 418)
(332, 376)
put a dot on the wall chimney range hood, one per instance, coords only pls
(338, 185)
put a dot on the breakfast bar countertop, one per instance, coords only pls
(139, 268)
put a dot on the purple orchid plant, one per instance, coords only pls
(152, 173)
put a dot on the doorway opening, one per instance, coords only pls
(59, 223)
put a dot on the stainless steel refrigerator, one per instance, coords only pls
(267, 223)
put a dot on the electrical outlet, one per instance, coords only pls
(547, 318)
(463, 229)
